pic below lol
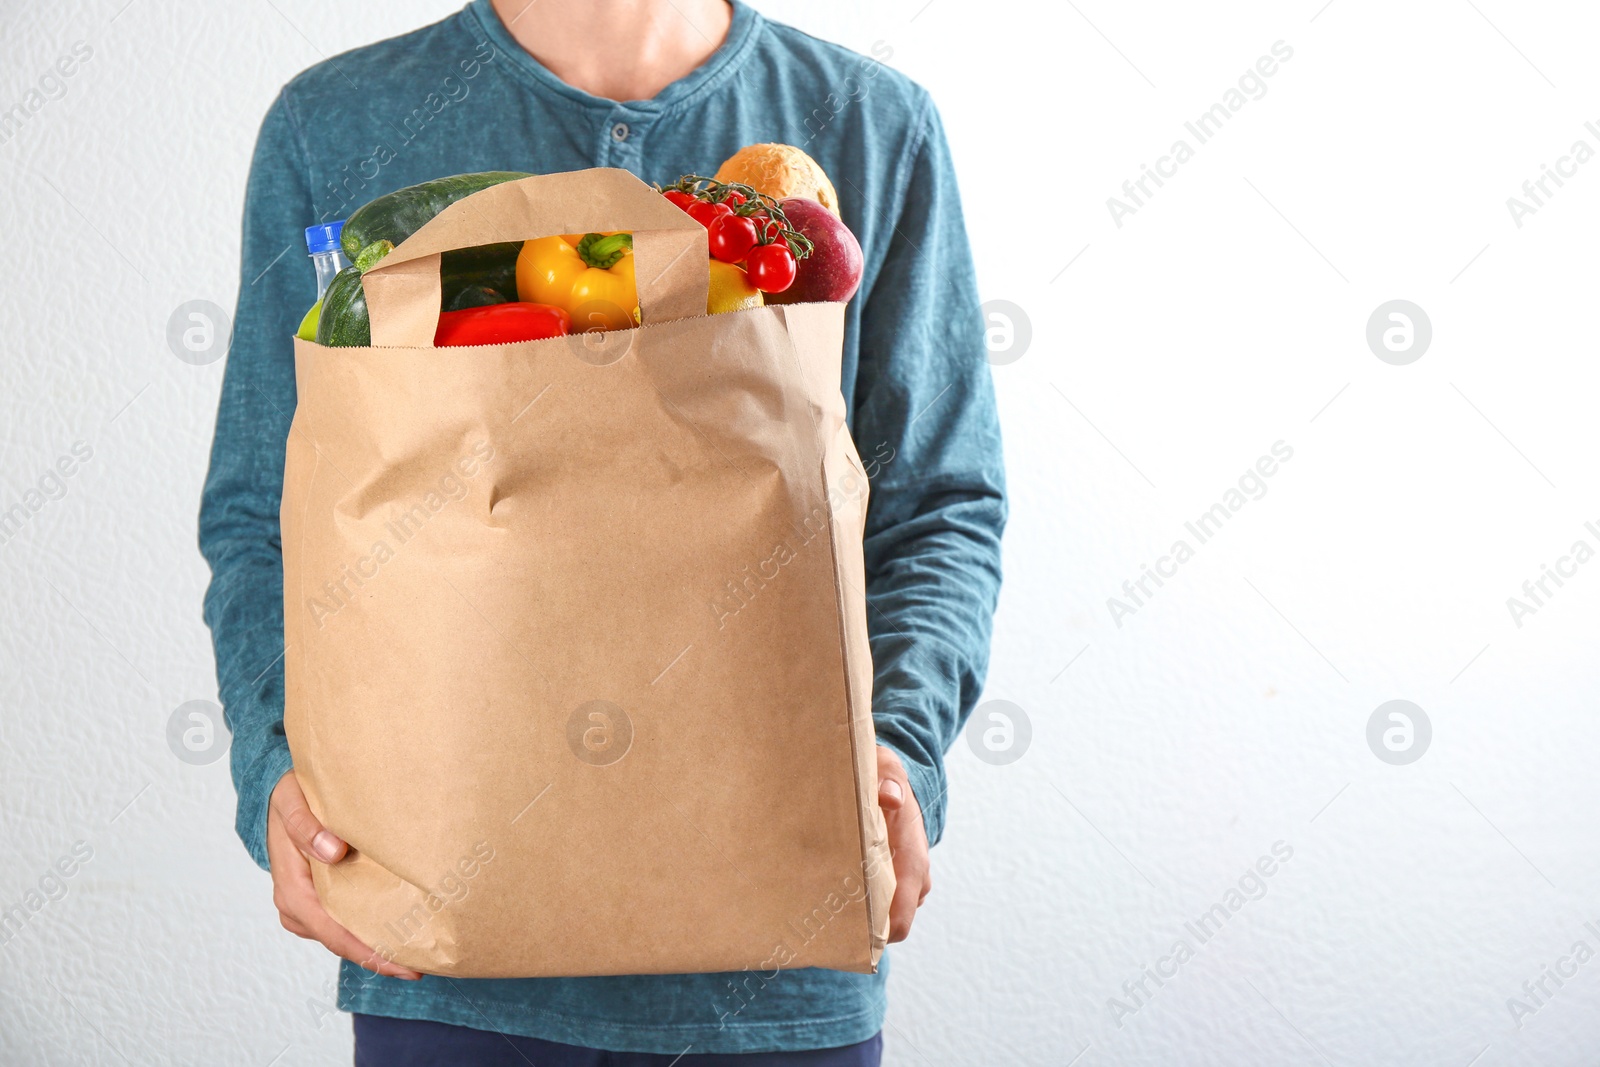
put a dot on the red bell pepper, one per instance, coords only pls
(498, 324)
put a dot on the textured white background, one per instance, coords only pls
(1167, 754)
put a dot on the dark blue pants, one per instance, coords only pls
(385, 1042)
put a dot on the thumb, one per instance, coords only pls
(890, 795)
(305, 831)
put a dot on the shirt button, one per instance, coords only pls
(619, 132)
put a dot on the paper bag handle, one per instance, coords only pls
(669, 248)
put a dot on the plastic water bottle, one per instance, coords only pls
(327, 255)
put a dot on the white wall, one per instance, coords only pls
(1168, 753)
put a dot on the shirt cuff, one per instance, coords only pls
(256, 783)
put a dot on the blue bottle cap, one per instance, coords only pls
(324, 237)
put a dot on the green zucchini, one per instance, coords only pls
(397, 215)
(468, 277)
(475, 296)
(343, 322)
(490, 266)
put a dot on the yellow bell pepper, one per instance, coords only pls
(588, 275)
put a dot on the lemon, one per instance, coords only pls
(308, 325)
(731, 289)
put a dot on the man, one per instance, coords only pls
(519, 85)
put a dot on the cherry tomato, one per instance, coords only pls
(731, 237)
(770, 229)
(679, 198)
(733, 199)
(771, 268)
(705, 213)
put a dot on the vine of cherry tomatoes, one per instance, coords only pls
(743, 226)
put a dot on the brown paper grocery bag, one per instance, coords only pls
(576, 629)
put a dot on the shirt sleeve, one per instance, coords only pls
(926, 424)
(239, 534)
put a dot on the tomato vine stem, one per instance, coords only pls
(754, 203)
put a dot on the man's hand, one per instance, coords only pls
(294, 840)
(908, 843)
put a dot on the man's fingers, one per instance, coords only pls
(302, 914)
(342, 942)
(907, 843)
(310, 838)
(294, 839)
(305, 831)
(902, 911)
(910, 885)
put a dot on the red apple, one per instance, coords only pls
(832, 272)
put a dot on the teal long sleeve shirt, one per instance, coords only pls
(462, 95)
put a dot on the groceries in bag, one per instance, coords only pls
(757, 252)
